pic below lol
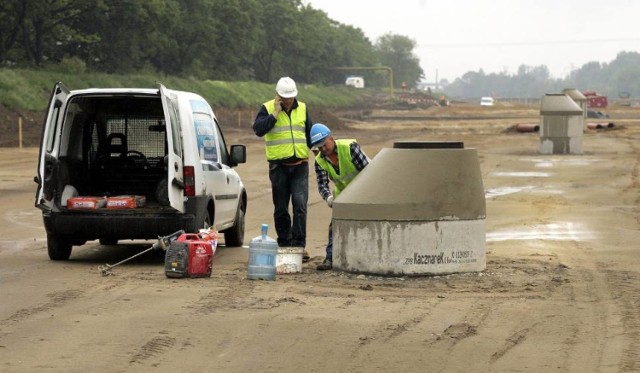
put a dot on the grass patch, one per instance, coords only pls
(24, 89)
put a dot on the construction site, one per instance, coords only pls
(545, 279)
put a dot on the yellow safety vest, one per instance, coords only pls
(348, 170)
(288, 137)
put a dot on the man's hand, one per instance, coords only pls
(330, 201)
(278, 107)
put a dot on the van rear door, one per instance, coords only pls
(49, 148)
(174, 152)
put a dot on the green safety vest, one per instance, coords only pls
(348, 170)
(288, 137)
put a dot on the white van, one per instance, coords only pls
(158, 153)
(355, 81)
(486, 101)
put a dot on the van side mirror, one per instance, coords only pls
(238, 155)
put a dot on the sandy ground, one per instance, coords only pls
(560, 292)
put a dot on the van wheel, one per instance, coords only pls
(207, 221)
(58, 246)
(234, 236)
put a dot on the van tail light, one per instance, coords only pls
(189, 181)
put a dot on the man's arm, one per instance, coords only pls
(359, 159)
(322, 178)
(264, 122)
(307, 129)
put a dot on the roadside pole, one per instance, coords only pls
(20, 132)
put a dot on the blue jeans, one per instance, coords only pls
(329, 249)
(290, 184)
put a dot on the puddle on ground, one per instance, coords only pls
(522, 174)
(545, 162)
(503, 191)
(497, 192)
(565, 231)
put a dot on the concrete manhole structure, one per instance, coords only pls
(417, 209)
(561, 125)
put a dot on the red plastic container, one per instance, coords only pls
(198, 260)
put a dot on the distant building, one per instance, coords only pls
(595, 100)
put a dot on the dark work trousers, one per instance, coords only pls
(329, 249)
(290, 184)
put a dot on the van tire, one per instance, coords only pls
(234, 236)
(58, 246)
(206, 224)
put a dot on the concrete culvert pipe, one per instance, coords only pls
(417, 209)
(598, 126)
(527, 127)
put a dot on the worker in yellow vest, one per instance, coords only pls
(339, 161)
(285, 124)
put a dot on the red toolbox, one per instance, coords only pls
(189, 256)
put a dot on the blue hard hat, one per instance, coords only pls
(319, 133)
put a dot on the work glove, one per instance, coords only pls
(330, 201)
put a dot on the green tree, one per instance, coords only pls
(235, 28)
(208, 39)
(12, 14)
(348, 46)
(277, 44)
(396, 51)
(214, 39)
(47, 29)
(129, 34)
(325, 44)
(625, 74)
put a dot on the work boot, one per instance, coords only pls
(305, 256)
(325, 266)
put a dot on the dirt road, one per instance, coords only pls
(560, 292)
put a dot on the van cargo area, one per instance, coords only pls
(111, 146)
(119, 148)
(135, 163)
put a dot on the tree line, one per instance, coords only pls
(230, 40)
(619, 78)
(243, 40)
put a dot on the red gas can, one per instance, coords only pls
(198, 260)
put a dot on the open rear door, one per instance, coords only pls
(49, 148)
(174, 143)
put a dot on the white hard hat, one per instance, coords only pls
(286, 87)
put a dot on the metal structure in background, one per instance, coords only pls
(388, 69)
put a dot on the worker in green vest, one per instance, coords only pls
(339, 161)
(285, 125)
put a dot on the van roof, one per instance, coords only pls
(146, 91)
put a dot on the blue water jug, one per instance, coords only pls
(262, 257)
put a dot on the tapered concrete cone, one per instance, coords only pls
(415, 210)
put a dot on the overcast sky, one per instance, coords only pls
(456, 36)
